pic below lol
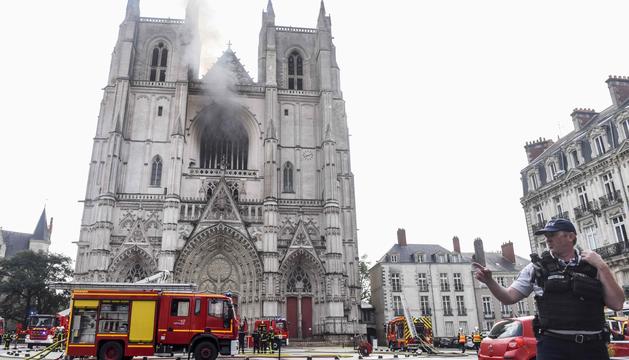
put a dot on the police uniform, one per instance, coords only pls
(571, 321)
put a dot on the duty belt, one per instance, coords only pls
(577, 338)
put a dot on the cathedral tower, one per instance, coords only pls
(232, 184)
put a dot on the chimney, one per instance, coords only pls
(507, 252)
(479, 252)
(401, 237)
(456, 245)
(536, 148)
(618, 89)
(580, 117)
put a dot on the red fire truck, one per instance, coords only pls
(41, 329)
(400, 337)
(280, 330)
(2, 326)
(120, 324)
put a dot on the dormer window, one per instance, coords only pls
(393, 258)
(419, 257)
(295, 71)
(159, 60)
(552, 171)
(533, 181)
(600, 145)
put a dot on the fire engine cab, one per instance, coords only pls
(41, 328)
(119, 324)
(1, 326)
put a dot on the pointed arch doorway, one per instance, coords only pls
(299, 304)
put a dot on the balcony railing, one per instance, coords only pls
(458, 287)
(610, 199)
(426, 311)
(423, 287)
(398, 312)
(538, 226)
(614, 249)
(590, 208)
(447, 312)
(462, 312)
(490, 315)
(445, 287)
(563, 215)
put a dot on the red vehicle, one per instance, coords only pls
(41, 329)
(279, 327)
(2, 326)
(399, 336)
(510, 339)
(119, 324)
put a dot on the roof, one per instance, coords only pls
(15, 242)
(41, 230)
(494, 261)
(228, 71)
(407, 251)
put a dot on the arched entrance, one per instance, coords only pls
(133, 264)
(220, 259)
(302, 282)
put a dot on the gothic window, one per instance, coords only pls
(135, 273)
(298, 281)
(156, 171)
(288, 177)
(159, 59)
(295, 71)
(224, 141)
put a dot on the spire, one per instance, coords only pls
(178, 130)
(270, 132)
(41, 230)
(118, 129)
(321, 21)
(328, 134)
(133, 9)
(269, 9)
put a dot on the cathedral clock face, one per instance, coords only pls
(308, 155)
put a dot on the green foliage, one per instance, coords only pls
(23, 284)
(363, 270)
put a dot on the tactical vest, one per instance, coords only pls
(573, 296)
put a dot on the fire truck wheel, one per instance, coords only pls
(205, 351)
(110, 351)
(274, 345)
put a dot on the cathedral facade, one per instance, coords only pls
(221, 181)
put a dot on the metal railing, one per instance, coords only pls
(614, 249)
(610, 199)
(590, 208)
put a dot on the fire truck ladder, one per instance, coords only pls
(410, 323)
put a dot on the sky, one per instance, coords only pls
(441, 97)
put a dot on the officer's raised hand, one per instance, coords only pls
(481, 273)
(592, 258)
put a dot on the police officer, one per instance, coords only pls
(571, 290)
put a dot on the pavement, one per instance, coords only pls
(331, 353)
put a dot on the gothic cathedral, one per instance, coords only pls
(221, 181)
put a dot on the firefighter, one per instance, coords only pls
(263, 340)
(476, 338)
(6, 338)
(58, 338)
(241, 339)
(256, 341)
(462, 340)
(270, 339)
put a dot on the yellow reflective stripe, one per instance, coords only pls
(77, 345)
(92, 304)
(110, 335)
(140, 346)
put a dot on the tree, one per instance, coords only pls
(24, 280)
(363, 269)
